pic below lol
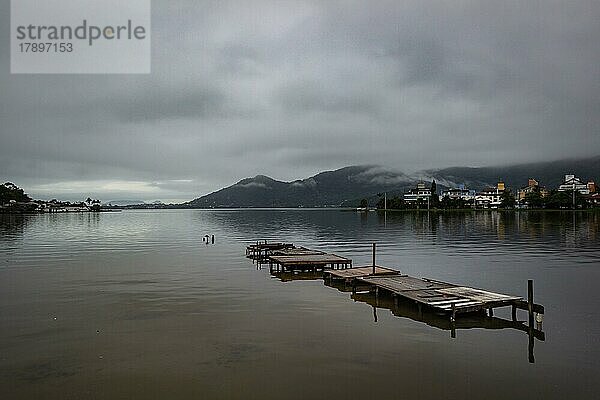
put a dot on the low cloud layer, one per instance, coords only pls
(288, 89)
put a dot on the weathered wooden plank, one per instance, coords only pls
(477, 294)
(357, 272)
(296, 251)
(442, 295)
(309, 259)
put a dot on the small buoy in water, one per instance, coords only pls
(539, 317)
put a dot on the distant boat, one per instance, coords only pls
(360, 209)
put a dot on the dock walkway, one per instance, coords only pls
(358, 272)
(443, 296)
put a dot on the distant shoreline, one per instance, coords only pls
(342, 209)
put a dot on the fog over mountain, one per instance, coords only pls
(346, 186)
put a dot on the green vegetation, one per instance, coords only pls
(10, 191)
(561, 200)
(393, 203)
(455, 204)
(507, 200)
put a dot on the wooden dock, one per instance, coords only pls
(262, 249)
(295, 251)
(445, 297)
(348, 275)
(308, 262)
(436, 298)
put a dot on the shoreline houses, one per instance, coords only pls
(533, 186)
(55, 206)
(488, 198)
(421, 192)
(459, 193)
(492, 197)
(573, 183)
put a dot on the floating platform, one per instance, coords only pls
(308, 262)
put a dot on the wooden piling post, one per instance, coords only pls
(212, 239)
(373, 258)
(514, 312)
(531, 344)
(530, 301)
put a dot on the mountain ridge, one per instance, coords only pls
(346, 186)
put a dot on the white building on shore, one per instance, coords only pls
(460, 192)
(573, 183)
(490, 197)
(421, 192)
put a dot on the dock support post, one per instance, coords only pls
(531, 345)
(514, 313)
(452, 321)
(491, 312)
(530, 310)
(375, 314)
(373, 258)
(530, 301)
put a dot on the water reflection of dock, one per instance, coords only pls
(433, 302)
(289, 276)
(404, 308)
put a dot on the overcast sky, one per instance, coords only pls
(288, 89)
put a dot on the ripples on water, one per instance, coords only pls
(136, 304)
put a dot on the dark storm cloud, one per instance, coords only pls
(304, 96)
(290, 88)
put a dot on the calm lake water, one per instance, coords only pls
(135, 305)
